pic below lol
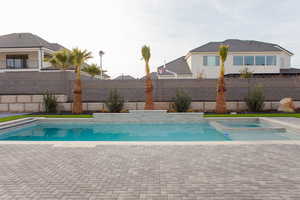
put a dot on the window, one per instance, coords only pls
(249, 60)
(16, 61)
(238, 60)
(211, 60)
(260, 60)
(271, 60)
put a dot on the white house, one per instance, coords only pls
(25, 52)
(203, 62)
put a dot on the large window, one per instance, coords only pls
(260, 60)
(211, 60)
(271, 60)
(249, 60)
(238, 60)
(16, 61)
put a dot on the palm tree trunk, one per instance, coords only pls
(77, 105)
(149, 90)
(220, 100)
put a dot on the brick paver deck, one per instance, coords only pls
(150, 172)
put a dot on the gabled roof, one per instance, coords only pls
(178, 66)
(236, 45)
(26, 40)
(124, 77)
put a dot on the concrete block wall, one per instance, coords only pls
(34, 103)
(26, 103)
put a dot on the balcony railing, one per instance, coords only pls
(30, 64)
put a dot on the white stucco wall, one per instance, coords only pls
(195, 61)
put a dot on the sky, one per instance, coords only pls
(170, 27)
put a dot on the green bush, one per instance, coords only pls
(50, 102)
(115, 102)
(182, 101)
(256, 99)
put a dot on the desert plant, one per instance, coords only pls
(220, 100)
(50, 102)
(115, 102)
(256, 99)
(182, 101)
(148, 81)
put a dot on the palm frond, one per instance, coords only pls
(223, 51)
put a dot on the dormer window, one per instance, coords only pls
(16, 61)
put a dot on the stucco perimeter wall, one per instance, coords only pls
(34, 103)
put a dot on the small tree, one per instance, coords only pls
(182, 101)
(115, 102)
(50, 102)
(256, 99)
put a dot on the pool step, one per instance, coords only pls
(148, 116)
(18, 122)
(222, 128)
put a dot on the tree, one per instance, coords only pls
(148, 81)
(221, 89)
(60, 59)
(92, 70)
(78, 58)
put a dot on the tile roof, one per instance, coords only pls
(236, 45)
(178, 66)
(26, 40)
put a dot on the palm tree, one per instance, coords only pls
(78, 58)
(220, 100)
(148, 81)
(92, 70)
(60, 59)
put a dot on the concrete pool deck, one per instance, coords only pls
(261, 171)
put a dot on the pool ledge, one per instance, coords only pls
(89, 144)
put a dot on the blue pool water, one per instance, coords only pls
(133, 132)
(116, 132)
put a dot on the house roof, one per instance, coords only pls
(236, 45)
(178, 66)
(26, 40)
(153, 76)
(124, 77)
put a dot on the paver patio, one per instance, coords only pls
(269, 171)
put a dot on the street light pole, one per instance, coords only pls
(101, 53)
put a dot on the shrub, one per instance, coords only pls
(50, 102)
(182, 101)
(256, 99)
(115, 102)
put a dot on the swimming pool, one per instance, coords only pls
(202, 131)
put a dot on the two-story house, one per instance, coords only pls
(25, 52)
(260, 58)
